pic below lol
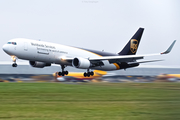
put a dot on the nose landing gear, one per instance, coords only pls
(14, 60)
(14, 65)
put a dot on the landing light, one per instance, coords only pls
(63, 58)
(13, 58)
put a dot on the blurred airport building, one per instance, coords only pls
(143, 71)
(24, 72)
(149, 71)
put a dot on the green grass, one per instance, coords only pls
(86, 101)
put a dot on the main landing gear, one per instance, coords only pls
(88, 74)
(63, 72)
(14, 60)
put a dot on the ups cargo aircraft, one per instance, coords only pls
(42, 54)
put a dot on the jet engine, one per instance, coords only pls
(81, 63)
(39, 64)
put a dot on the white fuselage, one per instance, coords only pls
(47, 52)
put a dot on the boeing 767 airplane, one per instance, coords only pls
(42, 54)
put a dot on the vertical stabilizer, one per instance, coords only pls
(132, 46)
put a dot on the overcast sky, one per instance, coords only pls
(95, 24)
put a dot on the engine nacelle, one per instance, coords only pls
(39, 64)
(81, 63)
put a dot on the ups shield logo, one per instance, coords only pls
(133, 45)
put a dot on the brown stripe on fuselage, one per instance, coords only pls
(99, 53)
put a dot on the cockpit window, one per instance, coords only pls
(14, 43)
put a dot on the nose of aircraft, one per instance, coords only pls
(5, 48)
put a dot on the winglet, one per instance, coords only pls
(170, 48)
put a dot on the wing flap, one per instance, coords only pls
(146, 61)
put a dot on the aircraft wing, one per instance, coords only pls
(132, 57)
(125, 58)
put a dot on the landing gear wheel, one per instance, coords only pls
(88, 74)
(66, 72)
(63, 72)
(85, 74)
(59, 73)
(91, 73)
(14, 65)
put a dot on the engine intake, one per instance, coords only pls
(39, 64)
(81, 63)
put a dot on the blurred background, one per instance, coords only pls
(94, 24)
